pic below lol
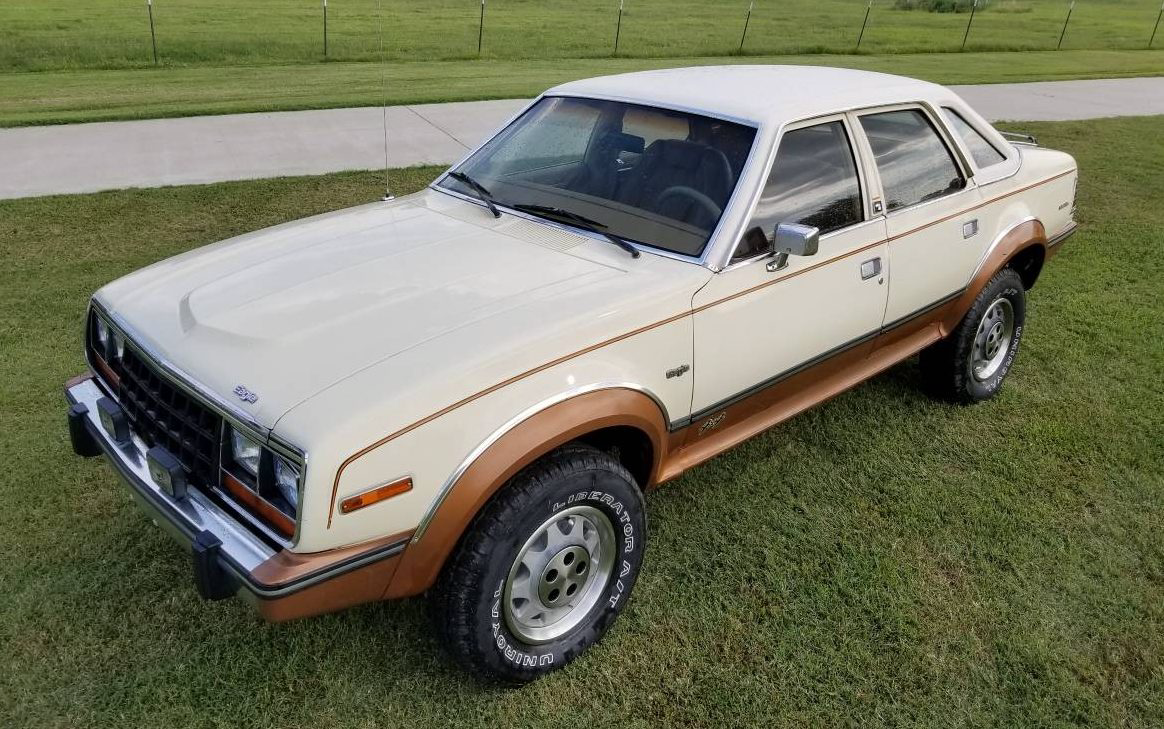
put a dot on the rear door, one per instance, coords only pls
(930, 204)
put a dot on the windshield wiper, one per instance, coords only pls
(581, 221)
(482, 193)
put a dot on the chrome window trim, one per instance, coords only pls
(231, 415)
(944, 135)
(512, 423)
(713, 238)
(863, 181)
(945, 110)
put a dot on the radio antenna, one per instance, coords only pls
(384, 83)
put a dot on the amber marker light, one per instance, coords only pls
(387, 491)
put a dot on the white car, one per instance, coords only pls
(467, 391)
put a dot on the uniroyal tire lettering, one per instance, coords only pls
(532, 660)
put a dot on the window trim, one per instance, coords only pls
(863, 183)
(945, 136)
(946, 109)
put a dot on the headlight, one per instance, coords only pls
(102, 334)
(245, 452)
(287, 482)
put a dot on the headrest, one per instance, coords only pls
(678, 153)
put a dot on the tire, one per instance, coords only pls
(575, 517)
(970, 364)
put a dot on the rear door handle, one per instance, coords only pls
(870, 268)
(970, 228)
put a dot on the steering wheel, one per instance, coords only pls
(691, 194)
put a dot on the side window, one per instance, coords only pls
(983, 152)
(813, 182)
(914, 163)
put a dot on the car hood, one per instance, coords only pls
(288, 311)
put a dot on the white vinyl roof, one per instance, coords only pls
(762, 94)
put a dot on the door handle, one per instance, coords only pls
(970, 228)
(870, 268)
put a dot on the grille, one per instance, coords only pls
(164, 415)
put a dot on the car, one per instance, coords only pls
(467, 391)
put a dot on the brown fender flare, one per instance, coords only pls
(1017, 239)
(521, 445)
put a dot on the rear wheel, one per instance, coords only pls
(969, 365)
(544, 570)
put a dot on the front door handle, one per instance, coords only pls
(870, 268)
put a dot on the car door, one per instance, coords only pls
(757, 322)
(930, 207)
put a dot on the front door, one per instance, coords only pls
(755, 323)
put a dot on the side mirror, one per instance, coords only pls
(792, 239)
(796, 240)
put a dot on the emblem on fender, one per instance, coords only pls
(712, 423)
(244, 394)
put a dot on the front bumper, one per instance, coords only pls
(228, 559)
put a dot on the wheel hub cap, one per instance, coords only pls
(559, 574)
(993, 339)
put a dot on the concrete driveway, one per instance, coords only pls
(77, 158)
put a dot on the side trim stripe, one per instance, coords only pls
(564, 358)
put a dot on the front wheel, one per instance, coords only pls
(545, 569)
(969, 365)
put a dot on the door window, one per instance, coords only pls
(914, 163)
(813, 182)
(983, 152)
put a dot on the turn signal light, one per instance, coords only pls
(387, 491)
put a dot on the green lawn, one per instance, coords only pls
(55, 97)
(55, 34)
(881, 561)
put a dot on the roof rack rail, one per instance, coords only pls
(1021, 138)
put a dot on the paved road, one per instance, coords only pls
(77, 158)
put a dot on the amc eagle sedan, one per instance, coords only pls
(467, 391)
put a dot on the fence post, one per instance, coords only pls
(153, 35)
(968, 24)
(618, 27)
(325, 28)
(481, 28)
(747, 19)
(1065, 22)
(868, 9)
(1157, 26)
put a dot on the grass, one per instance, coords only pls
(883, 560)
(64, 34)
(55, 97)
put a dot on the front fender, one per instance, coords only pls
(505, 456)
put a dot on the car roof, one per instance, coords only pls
(762, 94)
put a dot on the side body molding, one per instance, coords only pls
(522, 444)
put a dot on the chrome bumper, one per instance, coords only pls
(224, 552)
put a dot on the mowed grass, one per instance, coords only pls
(55, 34)
(883, 560)
(59, 97)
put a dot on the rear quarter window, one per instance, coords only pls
(984, 153)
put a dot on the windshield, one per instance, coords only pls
(652, 176)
